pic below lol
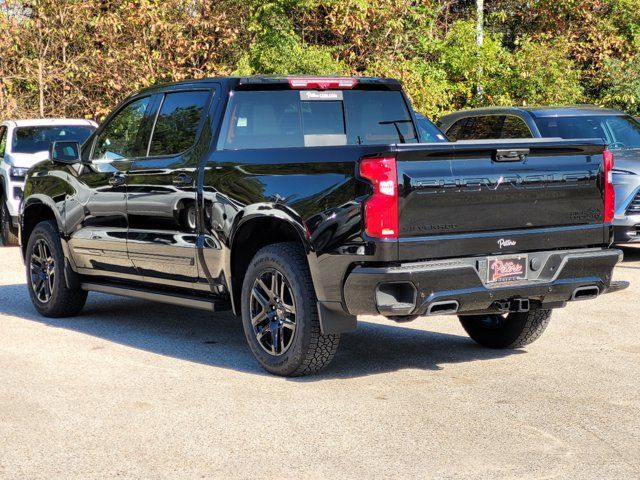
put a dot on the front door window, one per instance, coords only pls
(121, 136)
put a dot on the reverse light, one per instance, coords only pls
(381, 209)
(322, 83)
(609, 192)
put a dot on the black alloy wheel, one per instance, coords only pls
(43, 271)
(280, 315)
(49, 290)
(273, 312)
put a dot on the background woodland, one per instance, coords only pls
(79, 58)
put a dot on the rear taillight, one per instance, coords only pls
(381, 209)
(322, 83)
(609, 193)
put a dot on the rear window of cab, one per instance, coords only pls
(308, 118)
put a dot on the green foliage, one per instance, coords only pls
(543, 74)
(81, 57)
(425, 82)
(277, 48)
(536, 73)
(469, 67)
(622, 88)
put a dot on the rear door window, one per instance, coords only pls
(177, 123)
(515, 127)
(485, 127)
(292, 118)
(455, 130)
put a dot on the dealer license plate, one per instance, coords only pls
(507, 269)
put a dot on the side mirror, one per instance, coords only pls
(64, 152)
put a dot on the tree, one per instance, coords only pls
(82, 57)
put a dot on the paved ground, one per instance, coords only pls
(139, 390)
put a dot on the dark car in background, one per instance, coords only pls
(619, 131)
(429, 133)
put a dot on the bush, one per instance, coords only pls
(622, 85)
(543, 74)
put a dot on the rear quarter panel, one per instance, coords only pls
(314, 189)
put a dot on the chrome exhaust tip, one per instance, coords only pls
(445, 307)
(585, 293)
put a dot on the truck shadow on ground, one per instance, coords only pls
(631, 253)
(218, 340)
(631, 258)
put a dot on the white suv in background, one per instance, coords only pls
(23, 143)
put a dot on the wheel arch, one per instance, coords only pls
(35, 210)
(257, 228)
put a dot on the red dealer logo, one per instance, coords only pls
(501, 270)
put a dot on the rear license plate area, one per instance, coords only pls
(505, 269)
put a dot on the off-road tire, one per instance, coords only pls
(516, 330)
(310, 350)
(8, 234)
(64, 301)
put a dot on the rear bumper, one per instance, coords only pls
(426, 288)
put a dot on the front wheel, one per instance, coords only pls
(514, 330)
(44, 260)
(280, 313)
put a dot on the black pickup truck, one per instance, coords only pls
(301, 203)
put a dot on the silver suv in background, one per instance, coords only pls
(620, 132)
(23, 143)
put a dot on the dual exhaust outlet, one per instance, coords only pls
(515, 305)
(451, 307)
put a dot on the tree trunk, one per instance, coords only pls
(480, 42)
(41, 86)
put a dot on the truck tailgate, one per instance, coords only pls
(464, 197)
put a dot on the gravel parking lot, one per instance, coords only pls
(139, 390)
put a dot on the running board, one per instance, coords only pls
(173, 299)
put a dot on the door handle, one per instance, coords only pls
(117, 180)
(182, 180)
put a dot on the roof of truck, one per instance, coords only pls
(282, 81)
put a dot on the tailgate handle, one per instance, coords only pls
(512, 154)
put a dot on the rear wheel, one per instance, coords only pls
(280, 313)
(44, 260)
(8, 234)
(514, 330)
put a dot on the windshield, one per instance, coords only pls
(617, 131)
(38, 139)
(429, 133)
